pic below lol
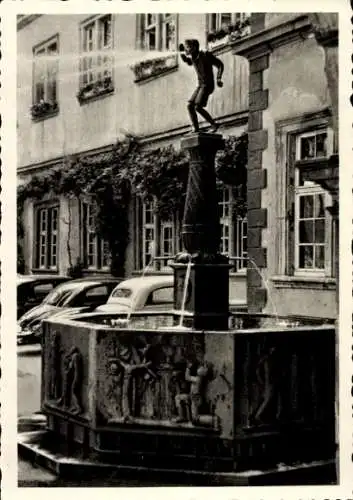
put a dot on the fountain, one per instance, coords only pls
(183, 394)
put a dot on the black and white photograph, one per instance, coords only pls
(178, 248)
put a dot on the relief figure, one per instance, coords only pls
(72, 382)
(189, 403)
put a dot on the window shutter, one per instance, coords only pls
(140, 39)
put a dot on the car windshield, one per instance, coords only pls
(60, 293)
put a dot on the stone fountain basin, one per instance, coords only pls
(269, 396)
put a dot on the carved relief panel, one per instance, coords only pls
(151, 378)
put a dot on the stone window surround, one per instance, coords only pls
(283, 130)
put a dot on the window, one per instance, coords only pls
(223, 27)
(95, 250)
(45, 77)
(159, 241)
(312, 222)
(47, 237)
(91, 297)
(158, 31)
(222, 20)
(156, 240)
(161, 296)
(233, 229)
(96, 58)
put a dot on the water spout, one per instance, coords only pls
(185, 290)
(267, 286)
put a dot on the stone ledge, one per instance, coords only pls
(86, 471)
(310, 282)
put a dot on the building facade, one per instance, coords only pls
(83, 82)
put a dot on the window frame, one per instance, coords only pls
(100, 83)
(312, 190)
(287, 132)
(44, 107)
(235, 17)
(48, 234)
(145, 71)
(156, 226)
(159, 24)
(214, 24)
(236, 234)
(97, 242)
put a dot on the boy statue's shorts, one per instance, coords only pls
(200, 96)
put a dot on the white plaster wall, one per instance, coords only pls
(297, 85)
(148, 108)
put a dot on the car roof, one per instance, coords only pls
(27, 278)
(95, 279)
(140, 282)
(86, 283)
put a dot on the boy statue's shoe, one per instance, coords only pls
(213, 129)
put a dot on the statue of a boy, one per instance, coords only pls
(203, 62)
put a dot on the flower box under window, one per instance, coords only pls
(95, 89)
(154, 67)
(44, 109)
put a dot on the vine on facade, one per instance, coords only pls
(110, 181)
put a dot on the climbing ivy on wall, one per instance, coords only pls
(111, 180)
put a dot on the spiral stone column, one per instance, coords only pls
(207, 297)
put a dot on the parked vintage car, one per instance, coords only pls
(150, 293)
(32, 288)
(80, 295)
(141, 293)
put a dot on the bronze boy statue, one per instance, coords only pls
(203, 63)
